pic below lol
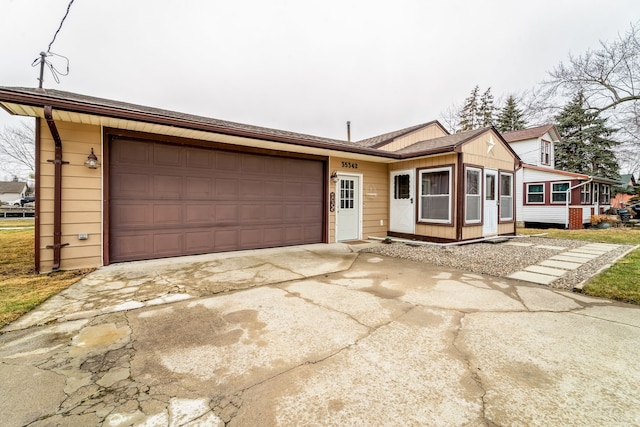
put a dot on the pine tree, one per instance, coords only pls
(486, 110)
(510, 117)
(468, 116)
(586, 146)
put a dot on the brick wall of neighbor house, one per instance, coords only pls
(499, 158)
(81, 197)
(437, 231)
(575, 219)
(375, 195)
(423, 134)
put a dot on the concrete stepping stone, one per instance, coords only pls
(529, 276)
(579, 255)
(569, 258)
(561, 264)
(519, 244)
(555, 248)
(546, 270)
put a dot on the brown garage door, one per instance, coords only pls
(169, 200)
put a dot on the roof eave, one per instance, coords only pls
(121, 113)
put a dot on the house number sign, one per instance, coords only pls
(349, 165)
(332, 202)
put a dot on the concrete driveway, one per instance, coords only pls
(317, 335)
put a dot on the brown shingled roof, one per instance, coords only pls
(444, 143)
(378, 140)
(529, 133)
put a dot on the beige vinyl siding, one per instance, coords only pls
(375, 196)
(430, 132)
(440, 231)
(81, 197)
(477, 152)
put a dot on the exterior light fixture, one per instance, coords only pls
(334, 176)
(92, 161)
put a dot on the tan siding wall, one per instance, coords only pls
(375, 196)
(475, 152)
(431, 132)
(433, 230)
(500, 158)
(81, 197)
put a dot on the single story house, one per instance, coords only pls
(119, 182)
(548, 196)
(10, 191)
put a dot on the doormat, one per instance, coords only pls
(356, 242)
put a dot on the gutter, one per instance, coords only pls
(568, 195)
(57, 189)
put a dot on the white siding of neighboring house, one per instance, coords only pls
(528, 151)
(555, 214)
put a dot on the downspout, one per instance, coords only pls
(567, 196)
(57, 189)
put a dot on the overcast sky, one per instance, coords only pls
(306, 66)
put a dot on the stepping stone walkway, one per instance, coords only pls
(551, 269)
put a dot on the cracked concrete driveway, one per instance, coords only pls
(317, 335)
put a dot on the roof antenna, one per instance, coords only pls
(43, 55)
(348, 131)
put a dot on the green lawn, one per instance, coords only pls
(620, 282)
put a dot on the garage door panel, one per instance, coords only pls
(167, 215)
(128, 215)
(198, 187)
(168, 186)
(167, 155)
(179, 200)
(165, 244)
(198, 241)
(226, 161)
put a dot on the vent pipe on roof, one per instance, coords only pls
(349, 131)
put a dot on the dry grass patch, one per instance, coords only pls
(21, 289)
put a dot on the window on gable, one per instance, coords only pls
(473, 196)
(506, 196)
(435, 195)
(535, 193)
(545, 152)
(559, 192)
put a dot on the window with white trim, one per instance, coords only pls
(559, 192)
(545, 152)
(506, 196)
(585, 194)
(605, 194)
(435, 195)
(473, 195)
(535, 193)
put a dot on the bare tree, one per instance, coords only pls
(17, 150)
(609, 78)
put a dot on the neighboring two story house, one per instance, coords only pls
(551, 197)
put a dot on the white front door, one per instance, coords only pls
(490, 225)
(402, 211)
(348, 208)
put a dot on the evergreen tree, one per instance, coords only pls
(586, 146)
(511, 117)
(486, 110)
(469, 115)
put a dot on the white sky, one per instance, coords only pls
(303, 66)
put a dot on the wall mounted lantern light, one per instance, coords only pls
(334, 176)
(92, 161)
